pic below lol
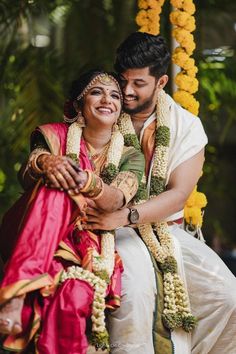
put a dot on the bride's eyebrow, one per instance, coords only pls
(103, 89)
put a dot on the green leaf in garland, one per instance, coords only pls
(141, 193)
(157, 185)
(189, 323)
(163, 136)
(172, 320)
(169, 265)
(109, 173)
(132, 140)
(73, 157)
(100, 340)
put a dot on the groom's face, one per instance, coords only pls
(140, 90)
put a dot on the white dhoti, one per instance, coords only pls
(211, 288)
(212, 293)
(130, 326)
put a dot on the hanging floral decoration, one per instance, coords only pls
(192, 210)
(148, 17)
(184, 24)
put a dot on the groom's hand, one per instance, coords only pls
(100, 220)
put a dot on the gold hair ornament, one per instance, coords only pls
(104, 79)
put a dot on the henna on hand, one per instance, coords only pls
(62, 172)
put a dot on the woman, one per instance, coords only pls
(62, 171)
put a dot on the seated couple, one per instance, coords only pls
(59, 274)
(154, 316)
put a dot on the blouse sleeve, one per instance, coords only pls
(131, 170)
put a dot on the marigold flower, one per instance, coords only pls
(182, 59)
(190, 24)
(200, 200)
(179, 18)
(187, 83)
(141, 18)
(189, 6)
(186, 100)
(193, 215)
(191, 199)
(152, 14)
(143, 4)
(192, 72)
(155, 4)
(154, 28)
(144, 29)
(177, 3)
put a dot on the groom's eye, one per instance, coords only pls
(140, 83)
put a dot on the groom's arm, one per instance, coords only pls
(181, 183)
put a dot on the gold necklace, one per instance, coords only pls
(98, 159)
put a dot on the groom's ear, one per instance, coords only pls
(162, 81)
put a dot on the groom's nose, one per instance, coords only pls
(128, 89)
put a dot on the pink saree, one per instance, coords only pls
(46, 243)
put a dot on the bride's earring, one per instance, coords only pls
(80, 119)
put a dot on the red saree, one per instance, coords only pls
(47, 242)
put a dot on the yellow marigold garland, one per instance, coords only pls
(148, 17)
(184, 23)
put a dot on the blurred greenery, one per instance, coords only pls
(46, 44)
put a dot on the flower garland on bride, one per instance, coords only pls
(102, 264)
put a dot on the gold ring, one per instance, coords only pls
(59, 176)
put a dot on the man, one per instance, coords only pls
(142, 62)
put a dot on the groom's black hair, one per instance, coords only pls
(140, 50)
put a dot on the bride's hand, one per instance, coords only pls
(61, 172)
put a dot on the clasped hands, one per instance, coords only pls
(63, 173)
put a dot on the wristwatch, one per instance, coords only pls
(133, 216)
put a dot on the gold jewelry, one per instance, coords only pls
(59, 176)
(87, 184)
(32, 169)
(96, 189)
(101, 191)
(104, 79)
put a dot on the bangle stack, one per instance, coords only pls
(94, 186)
(34, 171)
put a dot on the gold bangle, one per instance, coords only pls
(34, 164)
(100, 193)
(86, 188)
(96, 188)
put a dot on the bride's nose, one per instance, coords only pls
(106, 98)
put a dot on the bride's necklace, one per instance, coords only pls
(97, 158)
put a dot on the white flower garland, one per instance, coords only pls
(99, 285)
(177, 310)
(103, 264)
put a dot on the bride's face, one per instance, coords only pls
(102, 105)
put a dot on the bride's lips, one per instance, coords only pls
(105, 110)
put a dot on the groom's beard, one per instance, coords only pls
(140, 107)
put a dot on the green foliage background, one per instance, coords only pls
(85, 34)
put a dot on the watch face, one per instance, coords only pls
(134, 216)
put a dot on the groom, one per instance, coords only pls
(142, 61)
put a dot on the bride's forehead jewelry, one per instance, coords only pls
(104, 79)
